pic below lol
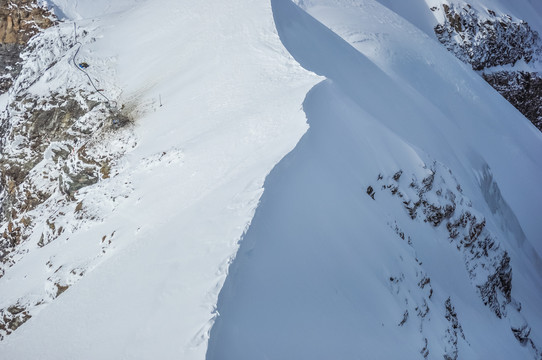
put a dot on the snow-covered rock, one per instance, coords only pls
(486, 40)
(494, 43)
(19, 21)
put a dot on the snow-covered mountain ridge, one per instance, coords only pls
(404, 212)
(368, 120)
(225, 120)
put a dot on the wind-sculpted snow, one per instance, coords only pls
(446, 100)
(333, 265)
(142, 222)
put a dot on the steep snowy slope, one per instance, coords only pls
(405, 54)
(139, 275)
(403, 224)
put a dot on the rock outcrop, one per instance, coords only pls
(19, 21)
(55, 142)
(487, 40)
(522, 89)
(437, 200)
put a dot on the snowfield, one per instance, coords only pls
(231, 98)
(345, 281)
(231, 229)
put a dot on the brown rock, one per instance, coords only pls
(19, 21)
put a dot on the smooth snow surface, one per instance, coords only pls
(231, 110)
(85, 9)
(312, 277)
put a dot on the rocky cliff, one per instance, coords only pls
(19, 21)
(489, 40)
(523, 89)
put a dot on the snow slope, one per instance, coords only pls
(421, 65)
(231, 98)
(325, 271)
(333, 264)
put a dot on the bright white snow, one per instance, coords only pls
(312, 279)
(320, 273)
(231, 109)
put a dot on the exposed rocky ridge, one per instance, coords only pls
(55, 134)
(488, 40)
(19, 21)
(53, 145)
(438, 201)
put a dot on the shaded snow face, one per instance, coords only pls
(446, 99)
(390, 219)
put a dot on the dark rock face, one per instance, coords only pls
(35, 124)
(50, 145)
(22, 19)
(465, 229)
(498, 284)
(19, 21)
(53, 145)
(489, 40)
(9, 65)
(522, 89)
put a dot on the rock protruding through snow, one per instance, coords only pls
(19, 21)
(491, 40)
(57, 138)
(438, 200)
